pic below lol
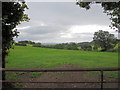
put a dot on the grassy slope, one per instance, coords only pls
(33, 57)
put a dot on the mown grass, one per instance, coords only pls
(33, 57)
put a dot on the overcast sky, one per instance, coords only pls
(62, 22)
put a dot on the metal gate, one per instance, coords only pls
(60, 70)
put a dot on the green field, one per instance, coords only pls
(33, 57)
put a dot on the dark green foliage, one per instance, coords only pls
(20, 44)
(84, 5)
(43, 46)
(12, 15)
(59, 46)
(52, 46)
(47, 46)
(86, 47)
(112, 50)
(37, 45)
(104, 39)
(95, 48)
(112, 9)
(68, 46)
(22, 41)
(119, 48)
(71, 46)
(26, 42)
(84, 43)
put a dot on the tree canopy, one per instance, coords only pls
(12, 15)
(104, 39)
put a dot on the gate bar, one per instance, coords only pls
(59, 70)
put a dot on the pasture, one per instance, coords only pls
(33, 57)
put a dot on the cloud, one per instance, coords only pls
(62, 22)
(24, 27)
(43, 30)
(83, 30)
(87, 28)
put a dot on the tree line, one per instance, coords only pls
(102, 41)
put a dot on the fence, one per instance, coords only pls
(60, 70)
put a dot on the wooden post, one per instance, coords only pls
(101, 80)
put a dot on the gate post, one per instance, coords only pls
(101, 79)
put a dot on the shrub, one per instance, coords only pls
(112, 50)
(42, 46)
(20, 44)
(86, 47)
(36, 45)
(95, 48)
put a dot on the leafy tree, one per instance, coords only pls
(37, 45)
(24, 42)
(31, 42)
(12, 15)
(86, 47)
(43, 46)
(71, 46)
(112, 9)
(104, 40)
(74, 46)
(59, 46)
(47, 46)
(52, 46)
(95, 48)
(20, 44)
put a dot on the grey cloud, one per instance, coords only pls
(66, 14)
(58, 17)
(43, 30)
(82, 37)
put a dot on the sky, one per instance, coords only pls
(61, 22)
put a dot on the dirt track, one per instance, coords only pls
(65, 77)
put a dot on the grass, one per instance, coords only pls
(33, 57)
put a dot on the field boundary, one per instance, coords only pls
(60, 70)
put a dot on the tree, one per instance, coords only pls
(104, 39)
(20, 44)
(59, 46)
(37, 45)
(95, 48)
(86, 47)
(71, 46)
(12, 15)
(112, 9)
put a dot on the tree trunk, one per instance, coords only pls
(3, 66)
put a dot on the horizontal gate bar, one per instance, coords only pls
(50, 82)
(60, 70)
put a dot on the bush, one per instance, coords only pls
(95, 48)
(112, 50)
(42, 46)
(86, 47)
(20, 44)
(59, 46)
(35, 45)
(71, 46)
